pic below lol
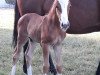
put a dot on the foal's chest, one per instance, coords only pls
(56, 36)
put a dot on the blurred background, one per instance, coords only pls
(7, 3)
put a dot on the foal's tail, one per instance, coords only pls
(16, 18)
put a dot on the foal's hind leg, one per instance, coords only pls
(20, 42)
(28, 56)
(57, 50)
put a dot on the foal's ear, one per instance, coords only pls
(58, 13)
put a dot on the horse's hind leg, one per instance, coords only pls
(28, 56)
(20, 42)
(57, 50)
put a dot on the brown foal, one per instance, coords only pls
(47, 30)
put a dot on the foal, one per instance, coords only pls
(48, 30)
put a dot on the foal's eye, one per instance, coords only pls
(60, 20)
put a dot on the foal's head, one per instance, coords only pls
(64, 22)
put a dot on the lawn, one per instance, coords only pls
(80, 54)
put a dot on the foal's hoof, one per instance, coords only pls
(25, 69)
(53, 71)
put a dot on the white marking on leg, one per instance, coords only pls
(29, 70)
(59, 74)
(44, 74)
(13, 70)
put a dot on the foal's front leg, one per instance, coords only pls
(46, 65)
(58, 58)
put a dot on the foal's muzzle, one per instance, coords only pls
(65, 26)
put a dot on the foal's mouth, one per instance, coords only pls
(64, 29)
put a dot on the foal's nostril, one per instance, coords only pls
(65, 25)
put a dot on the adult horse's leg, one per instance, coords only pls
(15, 33)
(52, 67)
(24, 65)
(98, 70)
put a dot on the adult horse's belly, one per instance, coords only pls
(29, 6)
(84, 16)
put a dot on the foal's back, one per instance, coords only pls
(30, 25)
(29, 18)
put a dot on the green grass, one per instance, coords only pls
(81, 53)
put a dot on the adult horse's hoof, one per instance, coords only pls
(53, 71)
(25, 69)
(98, 70)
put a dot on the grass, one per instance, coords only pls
(81, 53)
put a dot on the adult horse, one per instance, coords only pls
(84, 15)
